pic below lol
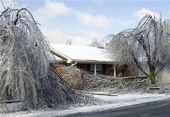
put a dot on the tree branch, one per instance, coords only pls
(138, 65)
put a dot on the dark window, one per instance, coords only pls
(99, 68)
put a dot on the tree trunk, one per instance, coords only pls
(152, 76)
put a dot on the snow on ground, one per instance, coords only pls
(110, 102)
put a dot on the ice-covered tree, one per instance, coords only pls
(146, 45)
(96, 43)
(26, 72)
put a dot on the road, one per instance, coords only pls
(151, 109)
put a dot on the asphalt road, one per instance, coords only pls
(151, 109)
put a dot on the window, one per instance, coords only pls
(99, 68)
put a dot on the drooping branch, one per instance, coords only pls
(138, 65)
(26, 73)
(147, 44)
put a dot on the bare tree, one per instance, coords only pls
(96, 43)
(69, 42)
(26, 72)
(146, 45)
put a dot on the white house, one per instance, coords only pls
(92, 59)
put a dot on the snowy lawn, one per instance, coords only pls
(109, 103)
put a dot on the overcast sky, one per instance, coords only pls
(83, 20)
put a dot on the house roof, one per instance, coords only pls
(81, 54)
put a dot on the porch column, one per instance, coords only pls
(94, 69)
(114, 67)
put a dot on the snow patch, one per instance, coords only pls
(77, 52)
(111, 102)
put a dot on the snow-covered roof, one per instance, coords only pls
(82, 53)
